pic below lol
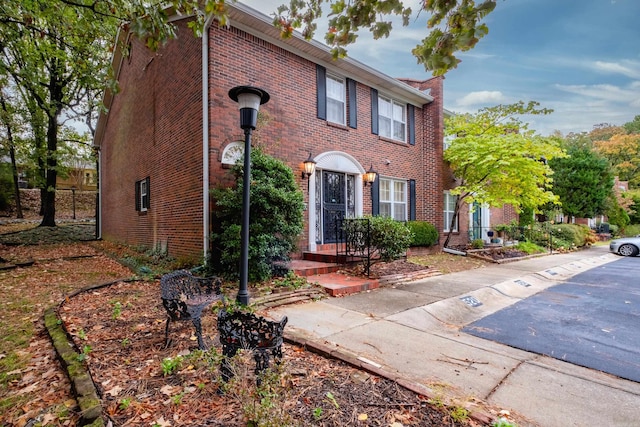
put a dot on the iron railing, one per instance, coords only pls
(354, 241)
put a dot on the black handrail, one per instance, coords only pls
(354, 241)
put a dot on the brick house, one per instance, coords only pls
(172, 131)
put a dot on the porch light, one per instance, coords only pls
(370, 176)
(249, 100)
(309, 166)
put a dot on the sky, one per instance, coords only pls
(580, 58)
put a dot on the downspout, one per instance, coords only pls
(205, 138)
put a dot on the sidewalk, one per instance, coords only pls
(413, 331)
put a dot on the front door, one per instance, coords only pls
(477, 222)
(333, 203)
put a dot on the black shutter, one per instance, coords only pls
(374, 111)
(375, 197)
(148, 204)
(137, 193)
(412, 200)
(411, 124)
(321, 87)
(353, 104)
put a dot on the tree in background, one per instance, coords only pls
(583, 181)
(633, 126)
(497, 160)
(53, 52)
(11, 128)
(634, 208)
(623, 153)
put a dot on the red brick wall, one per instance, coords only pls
(155, 130)
(294, 130)
(163, 140)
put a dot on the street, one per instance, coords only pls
(591, 320)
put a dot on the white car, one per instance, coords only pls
(626, 246)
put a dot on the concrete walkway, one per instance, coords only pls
(413, 329)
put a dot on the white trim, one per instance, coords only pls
(260, 25)
(339, 162)
(205, 139)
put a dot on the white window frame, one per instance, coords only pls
(389, 121)
(337, 99)
(447, 140)
(448, 211)
(144, 201)
(393, 195)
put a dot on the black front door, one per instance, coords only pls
(333, 203)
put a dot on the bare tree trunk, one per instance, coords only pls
(49, 202)
(16, 185)
(14, 168)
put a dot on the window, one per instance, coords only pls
(335, 96)
(391, 119)
(233, 152)
(393, 199)
(142, 195)
(449, 208)
(446, 142)
(336, 100)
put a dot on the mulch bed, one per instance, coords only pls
(121, 329)
(498, 254)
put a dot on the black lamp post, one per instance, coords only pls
(73, 198)
(249, 100)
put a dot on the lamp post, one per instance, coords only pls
(249, 100)
(73, 198)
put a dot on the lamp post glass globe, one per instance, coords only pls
(249, 99)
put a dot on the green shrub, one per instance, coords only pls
(614, 230)
(389, 238)
(530, 248)
(632, 230)
(569, 233)
(275, 211)
(424, 233)
(477, 244)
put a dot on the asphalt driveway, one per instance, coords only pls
(592, 321)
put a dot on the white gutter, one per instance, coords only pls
(205, 138)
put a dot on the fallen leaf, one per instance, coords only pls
(114, 391)
(29, 389)
(48, 418)
(363, 417)
(162, 423)
(169, 390)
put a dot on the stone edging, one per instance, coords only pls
(81, 381)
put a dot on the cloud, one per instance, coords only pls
(482, 97)
(606, 92)
(625, 67)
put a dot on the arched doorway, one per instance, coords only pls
(335, 192)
